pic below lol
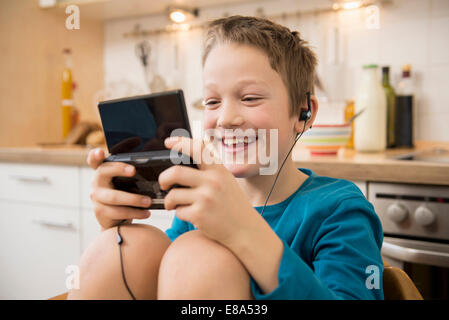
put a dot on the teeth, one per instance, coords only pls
(238, 140)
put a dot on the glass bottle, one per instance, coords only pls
(349, 113)
(66, 94)
(405, 108)
(391, 107)
(370, 127)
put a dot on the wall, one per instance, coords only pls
(31, 43)
(411, 31)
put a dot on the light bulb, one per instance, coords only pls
(178, 16)
(351, 5)
(346, 5)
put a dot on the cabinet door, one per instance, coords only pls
(38, 244)
(41, 184)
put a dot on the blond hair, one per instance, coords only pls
(289, 55)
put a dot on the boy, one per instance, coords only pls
(317, 235)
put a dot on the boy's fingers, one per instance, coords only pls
(106, 212)
(108, 170)
(179, 197)
(95, 158)
(195, 149)
(182, 175)
(185, 212)
(119, 198)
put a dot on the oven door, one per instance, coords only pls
(426, 262)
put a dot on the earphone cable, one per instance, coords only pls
(279, 171)
(120, 241)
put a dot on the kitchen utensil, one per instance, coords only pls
(355, 116)
(157, 82)
(143, 51)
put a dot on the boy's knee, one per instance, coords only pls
(142, 238)
(196, 267)
(100, 271)
(138, 240)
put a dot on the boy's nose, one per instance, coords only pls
(229, 117)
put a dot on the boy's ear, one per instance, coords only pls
(299, 124)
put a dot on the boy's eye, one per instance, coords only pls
(250, 99)
(210, 103)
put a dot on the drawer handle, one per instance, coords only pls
(30, 179)
(50, 223)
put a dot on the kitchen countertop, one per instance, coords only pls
(348, 164)
(75, 155)
(377, 166)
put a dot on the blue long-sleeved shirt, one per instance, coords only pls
(332, 239)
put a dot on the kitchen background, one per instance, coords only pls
(105, 64)
(46, 215)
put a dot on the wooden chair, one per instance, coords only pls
(398, 285)
(62, 296)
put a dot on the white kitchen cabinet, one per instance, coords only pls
(39, 228)
(43, 184)
(38, 244)
(89, 225)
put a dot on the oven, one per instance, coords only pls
(415, 221)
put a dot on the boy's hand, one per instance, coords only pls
(214, 203)
(110, 205)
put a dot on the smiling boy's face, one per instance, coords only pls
(242, 91)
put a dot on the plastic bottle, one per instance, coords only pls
(391, 107)
(66, 94)
(349, 112)
(370, 127)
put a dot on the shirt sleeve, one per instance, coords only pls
(345, 258)
(177, 228)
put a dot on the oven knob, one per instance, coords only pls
(397, 212)
(424, 216)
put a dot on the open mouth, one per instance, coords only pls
(237, 144)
